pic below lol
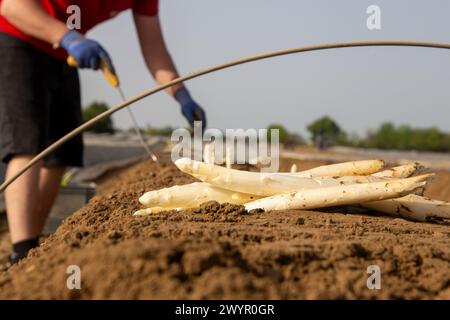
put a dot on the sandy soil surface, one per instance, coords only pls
(222, 251)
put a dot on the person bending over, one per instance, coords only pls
(40, 95)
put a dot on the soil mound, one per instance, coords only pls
(222, 251)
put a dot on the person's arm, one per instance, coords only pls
(154, 50)
(161, 66)
(30, 17)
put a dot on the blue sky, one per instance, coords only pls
(359, 87)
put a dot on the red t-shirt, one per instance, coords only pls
(93, 12)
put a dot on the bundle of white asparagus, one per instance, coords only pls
(396, 191)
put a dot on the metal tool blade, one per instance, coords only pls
(136, 128)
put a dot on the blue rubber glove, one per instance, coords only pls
(88, 53)
(190, 109)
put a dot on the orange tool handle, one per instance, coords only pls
(110, 76)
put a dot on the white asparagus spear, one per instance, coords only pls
(243, 181)
(341, 195)
(352, 168)
(192, 195)
(403, 171)
(263, 184)
(154, 210)
(412, 207)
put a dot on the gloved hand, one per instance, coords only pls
(88, 53)
(190, 109)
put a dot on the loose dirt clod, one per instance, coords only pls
(221, 251)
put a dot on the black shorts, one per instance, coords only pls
(39, 103)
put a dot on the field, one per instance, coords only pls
(222, 251)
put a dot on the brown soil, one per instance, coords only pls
(5, 244)
(440, 187)
(286, 164)
(222, 251)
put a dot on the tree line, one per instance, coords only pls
(323, 132)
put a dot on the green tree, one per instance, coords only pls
(295, 139)
(324, 131)
(349, 140)
(93, 110)
(383, 138)
(434, 140)
(403, 137)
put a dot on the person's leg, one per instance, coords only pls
(28, 202)
(49, 183)
(22, 200)
(25, 97)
